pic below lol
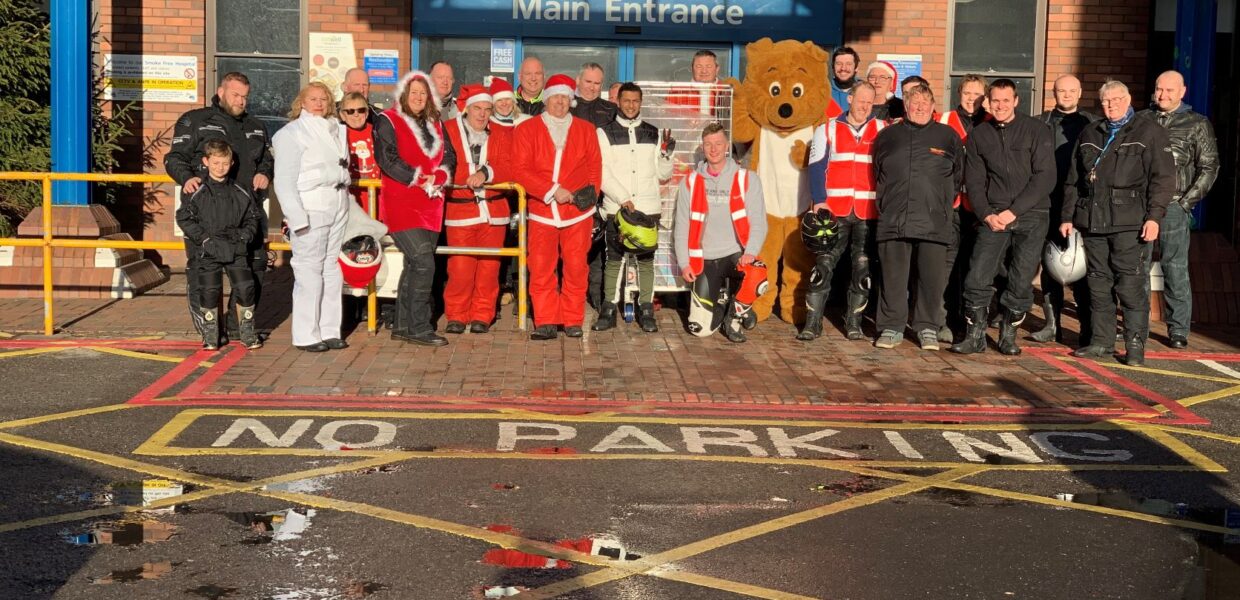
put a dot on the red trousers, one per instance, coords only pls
(473, 281)
(565, 303)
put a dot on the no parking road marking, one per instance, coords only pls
(497, 435)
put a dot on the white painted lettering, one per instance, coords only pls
(787, 446)
(1042, 439)
(902, 446)
(526, 10)
(740, 438)
(699, 13)
(263, 433)
(384, 434)
(645, 441)
(509, 433)
(1016, 450)
(680, 13)
(736, 15)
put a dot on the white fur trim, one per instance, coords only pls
(557, 89)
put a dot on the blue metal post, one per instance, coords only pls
(71, 98)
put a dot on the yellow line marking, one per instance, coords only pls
(1185, 451)
(65, 415)
(5, 335)
(115, 461)
(1207, 397)
(133, 354)
(1010, 495)
(1222, 437)
(106, 511)
(649, 563)
(1154, 371)
(726, 585)
(32, 351)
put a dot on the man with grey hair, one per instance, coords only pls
(445, 81)
(1121, 179)
(589, 103)
(1066, 121)
(1195, 151)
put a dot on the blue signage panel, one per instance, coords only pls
(740, 21)
(503, 55)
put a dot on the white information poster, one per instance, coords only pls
(331, 56)
(150, 78)
(905, 65)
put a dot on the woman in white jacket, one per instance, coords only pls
(311, 183)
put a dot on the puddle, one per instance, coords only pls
(302, 486)
(1125, 501)
(143, 493)
(211, 592)
(499, 591)
(516, 559)
(124, 534)
(151, 570)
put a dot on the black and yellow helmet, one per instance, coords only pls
(638, 231)
(820, 231)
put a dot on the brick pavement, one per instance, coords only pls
(622, 366)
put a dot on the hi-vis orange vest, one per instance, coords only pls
(850, 169)
(697, 215)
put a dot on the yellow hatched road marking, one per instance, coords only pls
(133, 354)
(653, 562)
(65, 415)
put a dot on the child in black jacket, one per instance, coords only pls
(219, 220)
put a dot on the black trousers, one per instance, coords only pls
(857, 237)
(1118, 267)
(597, 261)
(414, 302)
(193, 293)
(210, 279)
(1025, 237)
(895, 258)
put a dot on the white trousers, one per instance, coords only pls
(317, 281)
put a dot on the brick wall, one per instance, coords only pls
(900, 27)
(1098, 40)
(179, 27)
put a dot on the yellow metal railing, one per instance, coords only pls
(48, 242)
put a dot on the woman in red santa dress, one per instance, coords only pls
(416, 163)
(556, 158)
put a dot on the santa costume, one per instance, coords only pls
(475, 218)
(552, 154)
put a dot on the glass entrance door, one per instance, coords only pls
(673, 63)
(567, 58)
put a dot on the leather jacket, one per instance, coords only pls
(1117, 184)
(1195, 150)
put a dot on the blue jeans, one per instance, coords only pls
(1173, 237)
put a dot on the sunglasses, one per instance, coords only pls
(354, 111)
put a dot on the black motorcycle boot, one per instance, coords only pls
(814, 304)
(1008, 329)
(975, 338)
(854, 316)
(249, 335)
(646, 319)
(210, 328)
(606, 317)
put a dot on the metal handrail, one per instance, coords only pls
(48, 241)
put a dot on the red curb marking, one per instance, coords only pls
(1083, 377)
(199, 386)
(1171, 405)
(173, 377)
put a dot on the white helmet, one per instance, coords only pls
(1065, 264)
(701, 316)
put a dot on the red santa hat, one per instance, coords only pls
(472, 93)
(560, 84)
(890, 69)
(500, 89)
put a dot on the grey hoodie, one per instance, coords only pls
(719, 236)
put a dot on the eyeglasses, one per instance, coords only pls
(354, 111)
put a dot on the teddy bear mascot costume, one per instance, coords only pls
(784, 96)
